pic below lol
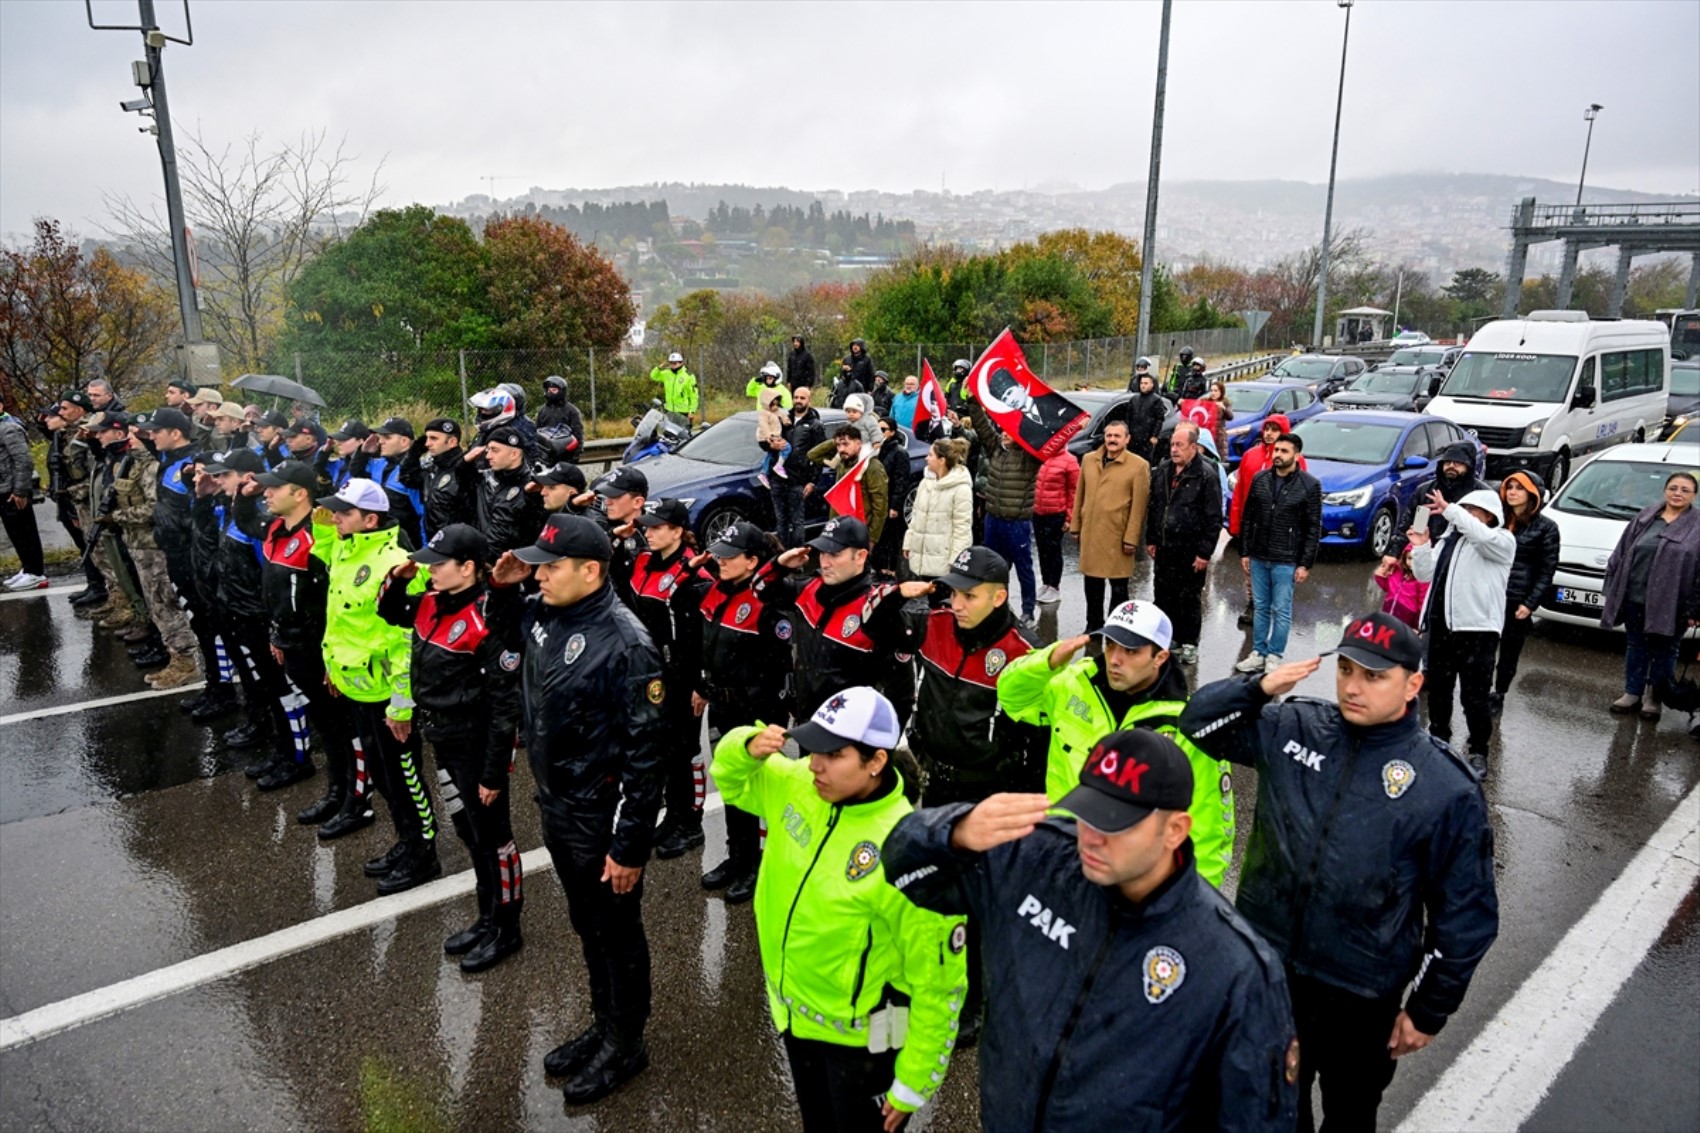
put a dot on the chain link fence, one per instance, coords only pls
(610, 386)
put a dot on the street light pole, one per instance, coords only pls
(1588, 116)
(1148, 259)
(1333, 164)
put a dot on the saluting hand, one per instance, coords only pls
(1286, 678)
(794, 558)
(583, 499)
(404, 570)
(766, 742)
(999, 819)
(915, 589)
(509, 570)
(1065, 650)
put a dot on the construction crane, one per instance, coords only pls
(491, 179)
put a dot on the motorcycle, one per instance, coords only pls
(653, 434)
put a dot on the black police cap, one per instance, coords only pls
(455, 543)
(395, 427)
(658, 512)
(622, 481)
(293, 472)
(568, 537)
(563, 473)
(974, 566)
(236, 460)
(742, 538)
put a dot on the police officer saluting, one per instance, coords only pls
(465, 695)
(449, 481)
(593, 709)
(1122, 992)
(1370, 866)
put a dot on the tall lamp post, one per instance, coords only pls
(1333, 164)
(1148, 258)
(1588, 116)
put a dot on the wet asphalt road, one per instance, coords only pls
(126, 845)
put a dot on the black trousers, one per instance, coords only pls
(682, 790)
(1095, 598)
(1178, 591)
(1048, 539)
(1343, 1041)
(328, 715)
(1461, 662)
(1511, 640)
(204, 622)
(264, 686)
(839, 1088)
(394, 768)
(25, 536)
(486, 830)
(743, 829)
(578, 834)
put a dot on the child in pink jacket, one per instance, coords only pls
(1405, 594)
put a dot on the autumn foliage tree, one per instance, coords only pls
(66, 318)
(546, 289)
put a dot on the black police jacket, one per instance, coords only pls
(206, 531)
(173, 523)
(1532, 569)
(241, 529)
(1370, 865)
(745, 650)
(592, 704)
(294, 582)
(1184, 512)
(959, 733)
(1285, 528)
(464, 676)
(665, 594)
(843, 635)
(450, 489)
(1102, 1014)
(508, 515)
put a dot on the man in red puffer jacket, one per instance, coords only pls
(1256, 459)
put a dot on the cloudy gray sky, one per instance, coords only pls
(889, 96)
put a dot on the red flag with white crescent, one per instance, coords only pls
(1202, 413)
(1041, 420)
(847, 497)
(929, 406)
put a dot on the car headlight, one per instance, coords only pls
(1356, 498)
(689, 501)
(1532, 435)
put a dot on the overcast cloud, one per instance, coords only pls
(888, 96)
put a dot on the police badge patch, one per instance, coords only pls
(1164, 971)
(361, 575)
(292, 546)
(665, 583)
(958, 939)
(1397, 777)
(457, 631)
(655, 691)
(864, 856)
(851, 625)
(742, 614)
(509, 661)
(443, 480)
(995, 660)
(512, 492)
(782, 629)
(575, 648)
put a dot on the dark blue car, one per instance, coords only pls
(715, 474)
(1253, 401)
(1370, 464)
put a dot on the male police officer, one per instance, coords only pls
(1370, 865)
(593, 700)
(450, 480)
(1122, 991)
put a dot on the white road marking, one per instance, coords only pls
(1497, 1081)
(67, 1014)
(11, 594)
(103, 702)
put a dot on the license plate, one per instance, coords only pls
(1581, 597)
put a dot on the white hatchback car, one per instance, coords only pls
(1592, 510)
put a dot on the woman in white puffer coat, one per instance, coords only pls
(942, 525)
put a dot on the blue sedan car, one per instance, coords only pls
(1253, 401)
(715, 472)
(1370, 464)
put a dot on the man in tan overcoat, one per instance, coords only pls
(1109, 517)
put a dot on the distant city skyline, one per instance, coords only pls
(881, 96)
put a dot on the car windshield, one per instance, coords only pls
(1412, 356)
(1350, 442)
(1616, 489)
(1247, 399)
(1309, 371)
(1512, 377)
(732, 441)
(1684, 381)
(1386, 383)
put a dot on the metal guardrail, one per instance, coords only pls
(606, 453)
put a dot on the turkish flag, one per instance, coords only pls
(847, 497)
(1041, 420)
(929, 406)
(1202, 413)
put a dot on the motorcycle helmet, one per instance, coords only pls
(494, 407)
(1186, 355)
(517, 392)
(1143, 361)
(961, 366)
(675, 357)
(555, 380)
(772, 370)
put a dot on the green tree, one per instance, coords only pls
(407, 279)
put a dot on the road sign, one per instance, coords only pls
(1254, 321)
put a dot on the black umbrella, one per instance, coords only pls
(279, 386)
